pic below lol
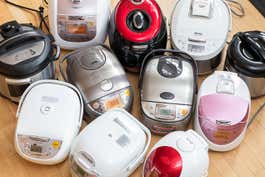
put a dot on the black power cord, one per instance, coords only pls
(39, 11)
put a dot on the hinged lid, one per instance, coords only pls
(194, 27)
(138, 21)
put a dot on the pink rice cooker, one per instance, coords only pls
(223, 109)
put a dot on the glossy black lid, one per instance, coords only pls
(246, 53)
(24, 50)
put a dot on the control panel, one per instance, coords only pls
(39, 147)
(166, 112)
(118, 99)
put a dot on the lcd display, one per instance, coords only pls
(76, 29)
(113, 103)
(36, 148)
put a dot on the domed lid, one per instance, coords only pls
(138, 20)
(24, 49)
(163, 161)
(246, 53)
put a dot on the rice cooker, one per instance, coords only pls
(79, 23)
(45, 130)
(136, 28)
(223, 110)
(168, 88)
(178, 154)
(200, 28)
(99, 76)
(113, 145)
(26, 55)
(246, 56)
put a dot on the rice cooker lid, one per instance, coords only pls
(24, 49)
(117, 142)
(246, 53)
(223, 113)
(138, 20)
(193, 27)
(41, 111)
(163, 161)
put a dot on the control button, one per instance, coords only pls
(96, 105)
(106, 85)
(183, 112)
(167, 96)
(56, 144)
(185, 145)
(45, 109)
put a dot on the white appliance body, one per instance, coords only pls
(200, 28)
(113, 145)
(76, 24)
(49, 117)
(228, 136)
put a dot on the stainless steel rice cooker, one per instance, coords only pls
(99, 76)
(26, 55)
(246, 56)
(201, 28)
(168, 87)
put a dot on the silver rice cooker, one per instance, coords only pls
(246, 56)
(99, 76)
(168, 88)
(200, 28)
(136, 28)
(26, 55)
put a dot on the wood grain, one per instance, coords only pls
(245, 161)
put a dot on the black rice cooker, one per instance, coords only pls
(246, 56)
(136, 28)
(26, 55)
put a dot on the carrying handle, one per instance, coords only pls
(183, 55)
(57, 53)
(13, 41)
(141, 157)
(254, 46)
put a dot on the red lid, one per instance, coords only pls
(164, 161)
(147, 7)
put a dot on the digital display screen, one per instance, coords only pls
(76, 28)
(196, 48)
(165, 112)
(113, 103)
(35, 148)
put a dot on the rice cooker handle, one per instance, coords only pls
(255, 47)
(177, 52)
(12, 42)
(140, 159)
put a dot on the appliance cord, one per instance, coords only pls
(240, 12)
(39, 11)
(256, 114)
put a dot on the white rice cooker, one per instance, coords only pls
(113, 145)
(200, 28)
(99, 76)
(79, 23)
(178, 154)
(168, 89)
(45, 131)
(223, 110)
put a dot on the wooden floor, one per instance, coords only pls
(246, 161)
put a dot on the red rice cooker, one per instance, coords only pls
(136, 28)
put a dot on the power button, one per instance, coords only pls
(45, 109)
